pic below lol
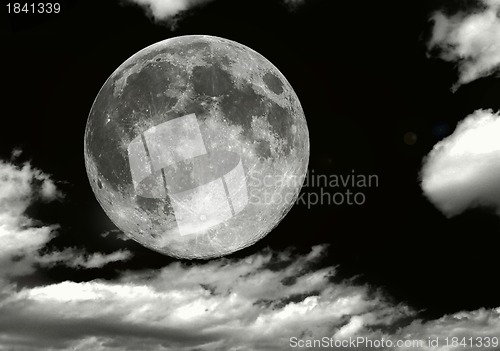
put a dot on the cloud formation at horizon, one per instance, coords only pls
(261, 302)
(470, 39)
(463, 170)
(225, 304)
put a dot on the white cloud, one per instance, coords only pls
(463, 170)
(21, 237)
(472, 40)
(167, 9)
(239, 304)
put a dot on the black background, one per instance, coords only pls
(361, 71)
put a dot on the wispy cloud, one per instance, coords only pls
(115, 233)
(470, 39)
(75, 258)
(23, 238)
(463, 170)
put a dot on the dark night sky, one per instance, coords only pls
(362, 75)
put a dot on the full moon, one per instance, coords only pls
(196, 147)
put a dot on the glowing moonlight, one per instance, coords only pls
(196, 147)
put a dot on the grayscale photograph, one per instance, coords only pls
(250, 175)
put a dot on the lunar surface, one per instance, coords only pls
(196, 147)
